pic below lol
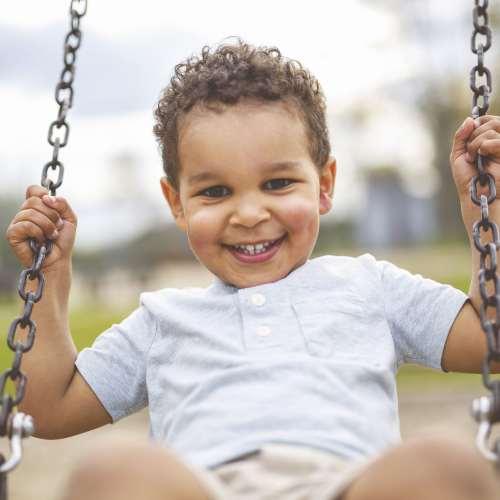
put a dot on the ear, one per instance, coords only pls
(174, 201)
(326, 185)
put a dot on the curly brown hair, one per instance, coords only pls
(226, 75)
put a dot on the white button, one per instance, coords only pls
(263, 331)
(258, 299)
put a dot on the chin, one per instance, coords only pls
(250, 281)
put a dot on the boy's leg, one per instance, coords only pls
(430, 469)
(128, 470)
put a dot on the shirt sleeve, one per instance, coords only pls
(420, 313)
(115, 365)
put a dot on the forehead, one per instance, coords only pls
(284, 111)
(241, 134)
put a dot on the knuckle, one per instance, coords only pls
(49, 227)
(32, 229)
(32, 201)
(37, 232)
(55, 215)
(36, 209)
(21, 230)
(29, 191)
(50, 213)
(63, 202)
(30, 213)
(44, 222)
(36, 191)
(25, 226)
(9, 233)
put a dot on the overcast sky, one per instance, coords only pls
(127, 56)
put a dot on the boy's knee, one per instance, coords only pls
(443, 464)
(430, 468)
(125, 469)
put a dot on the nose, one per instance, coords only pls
(249, 211)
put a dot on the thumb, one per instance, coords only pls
(60, 204)
(461, 136)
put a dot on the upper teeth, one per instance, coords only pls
(259, 247)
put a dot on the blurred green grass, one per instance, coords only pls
(86, 322)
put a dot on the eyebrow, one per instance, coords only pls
(270, 168)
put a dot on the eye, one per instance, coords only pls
(277, 184)
(215, 192)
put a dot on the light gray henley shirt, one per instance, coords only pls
(308, 360)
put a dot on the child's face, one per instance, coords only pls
(247, 179)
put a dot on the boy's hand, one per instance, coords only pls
(466, 344)
(480, 136)
(43, 218)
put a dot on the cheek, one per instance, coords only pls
(202, 228)
(302, 215)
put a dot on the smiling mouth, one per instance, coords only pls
(256, 248)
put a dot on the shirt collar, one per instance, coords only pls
(218, 284)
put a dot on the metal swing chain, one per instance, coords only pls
(17, 425)
(486, 409)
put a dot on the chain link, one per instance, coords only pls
(486, 410)
(58, 138)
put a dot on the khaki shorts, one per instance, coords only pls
(279, 471)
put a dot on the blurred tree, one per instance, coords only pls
(9, 266)
(440, 32)
(446, 101)
(446, 106)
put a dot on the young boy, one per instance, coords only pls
(278, 380)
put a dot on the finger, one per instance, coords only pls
(61, 205)
(474, 146)
(489, 123)
(490, 147)
(20, 232)
(485, 119)
(48, 228)
(36, 203)
(35, 190)
(461, 137)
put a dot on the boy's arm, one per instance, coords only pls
(61, 403)
(57, 396)
(466, 345)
